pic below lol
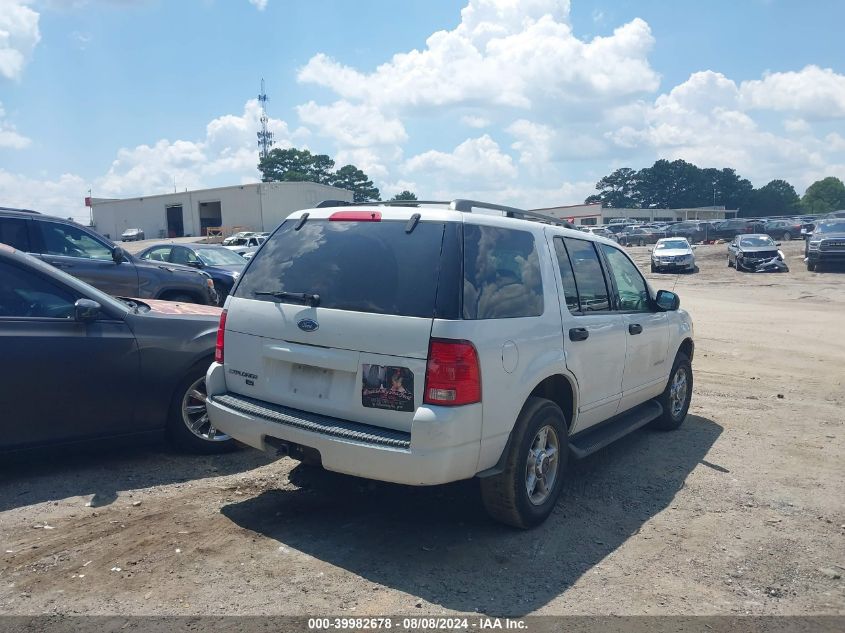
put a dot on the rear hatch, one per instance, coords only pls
(334, 316)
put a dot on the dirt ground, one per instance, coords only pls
(740, 511)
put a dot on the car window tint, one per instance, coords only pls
(70, 241)
(567, 277)
(158, 254)
(373, 267)
(630, 286)
(501, 274)
(13, 233)
(28, 294)
(589, 277)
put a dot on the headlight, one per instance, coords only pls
(235, 274)
(814, 245)
(781, 255)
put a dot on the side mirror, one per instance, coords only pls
(667, 301)
(777, 243)
(118, 255)
(693, 247)
(196, 264)
(86, 310)
(651, 250)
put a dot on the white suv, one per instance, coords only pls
(422, 343)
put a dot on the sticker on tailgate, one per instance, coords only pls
(387, 387)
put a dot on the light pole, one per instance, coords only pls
(714, 194)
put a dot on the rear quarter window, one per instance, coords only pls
(501, 274)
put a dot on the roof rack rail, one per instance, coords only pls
(458, 204)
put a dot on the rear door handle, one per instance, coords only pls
(579, 334)
(635, 328)
(61, 265)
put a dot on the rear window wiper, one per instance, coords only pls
(306, 297)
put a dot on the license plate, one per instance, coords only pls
(312, 382)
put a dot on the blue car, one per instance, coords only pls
(221, 264)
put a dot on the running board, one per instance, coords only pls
(594, 439)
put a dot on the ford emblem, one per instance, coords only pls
(308, 325)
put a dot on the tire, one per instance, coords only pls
(811, 266)
(729, 263)
(222, 293)
(653, 269)
(675, 411)
(205, 440)
(506, 495)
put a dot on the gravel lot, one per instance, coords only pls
(740, 511)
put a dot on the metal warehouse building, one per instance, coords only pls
(255, 207)
(593, 214)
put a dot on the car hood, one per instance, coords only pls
(672, 252)
(158, 306)
(758, 249)
(230, 268)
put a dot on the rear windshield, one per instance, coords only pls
(359, 266)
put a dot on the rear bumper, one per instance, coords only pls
(443, 445)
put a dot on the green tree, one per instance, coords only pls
(617, 190)
(321, 168)
(824, 196)
(351, 178)
(404, 195)
(777, 197)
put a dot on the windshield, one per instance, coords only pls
(219, 257)
(757, 240)
(672, 244)
(831, 227)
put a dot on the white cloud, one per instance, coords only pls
(9, 136)
(19, 35)
(813, 92)
(475, 161)
(533, 141)
(259, 4)
(353, 125)
(64, 196)
(503, 53)
(476, 121)
(228, 149)
(707, 121)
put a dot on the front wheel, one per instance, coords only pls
(525, 493)
(188, 425)
(811, 266)
(677, 396)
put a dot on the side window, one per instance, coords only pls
(182, 255)
(501, 274)
(29, 295)
(630, 285)
(70, 241)
(589, 277)
(567, 277)
(159, 254)
(13, 233)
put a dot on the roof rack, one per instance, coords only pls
(459, 204)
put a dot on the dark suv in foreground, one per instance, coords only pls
(92, 258)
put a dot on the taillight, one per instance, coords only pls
(452, 376)
(221, 333)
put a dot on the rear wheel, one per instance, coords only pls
(525, 493)
(188, 425)
(677, 396)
